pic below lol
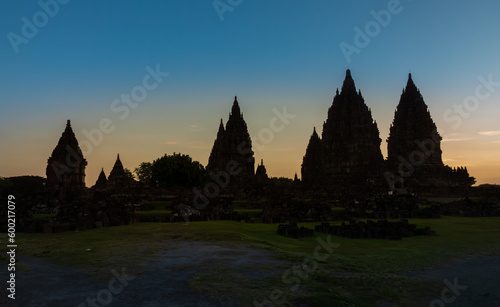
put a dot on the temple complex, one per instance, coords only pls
(345, 159)
(66, 166)
(344, 165)
(233, 146)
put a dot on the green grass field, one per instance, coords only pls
(369, 263)
(161, 209)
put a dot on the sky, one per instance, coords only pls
(148, 78)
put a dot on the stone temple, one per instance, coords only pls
(66, 166)
(233, 146)
(261, 173)
(413, 130)
(348, 154)
(414, 148)
(312, 165)
(118, 178)
(102, 182)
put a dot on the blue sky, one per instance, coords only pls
(272, 54)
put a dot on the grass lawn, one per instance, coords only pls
(359, 271)
(158, 209)
(252, 213)
(41, 217)
(159, 205)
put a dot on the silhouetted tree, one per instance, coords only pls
(129, 173)
(143, 172)
(22, 186)
(177, 170)
(6, 187)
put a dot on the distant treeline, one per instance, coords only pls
(21, 186)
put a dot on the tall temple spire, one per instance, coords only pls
(118, 178)
(118, 167)
(350, 140)
(68, 130)
(233, 143)
(413, 136)
(235, 110)
(66, 165)
(312, 168)
(348, 86)
(261, 173)
(410, 86)
(221, 127)
(412, 124)
(102, 181)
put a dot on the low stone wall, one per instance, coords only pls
(471, 208)
(293, 231)
(381, 229)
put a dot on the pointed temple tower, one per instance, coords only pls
(414, 148)
(118, 178)
(312, 165)
(261, 173)
(348, 155)
(66, 166)
(102, 182)
(413, 128)
(351, 140)
(233, 143)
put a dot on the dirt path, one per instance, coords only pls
(477, 282)
(162, 280)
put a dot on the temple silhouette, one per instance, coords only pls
(344, 167)
(345, 159)
(414, 148)
(348, 155)
(233, 145)
(66, 166)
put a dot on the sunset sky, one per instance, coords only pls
(78, 60)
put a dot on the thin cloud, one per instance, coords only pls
(456, 140)
(489, 133)
(194, 128)
(196, 145)
(190, 145)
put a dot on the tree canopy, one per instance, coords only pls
(177, 170)
(143, 172)
(128, 173)
(25, 186)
